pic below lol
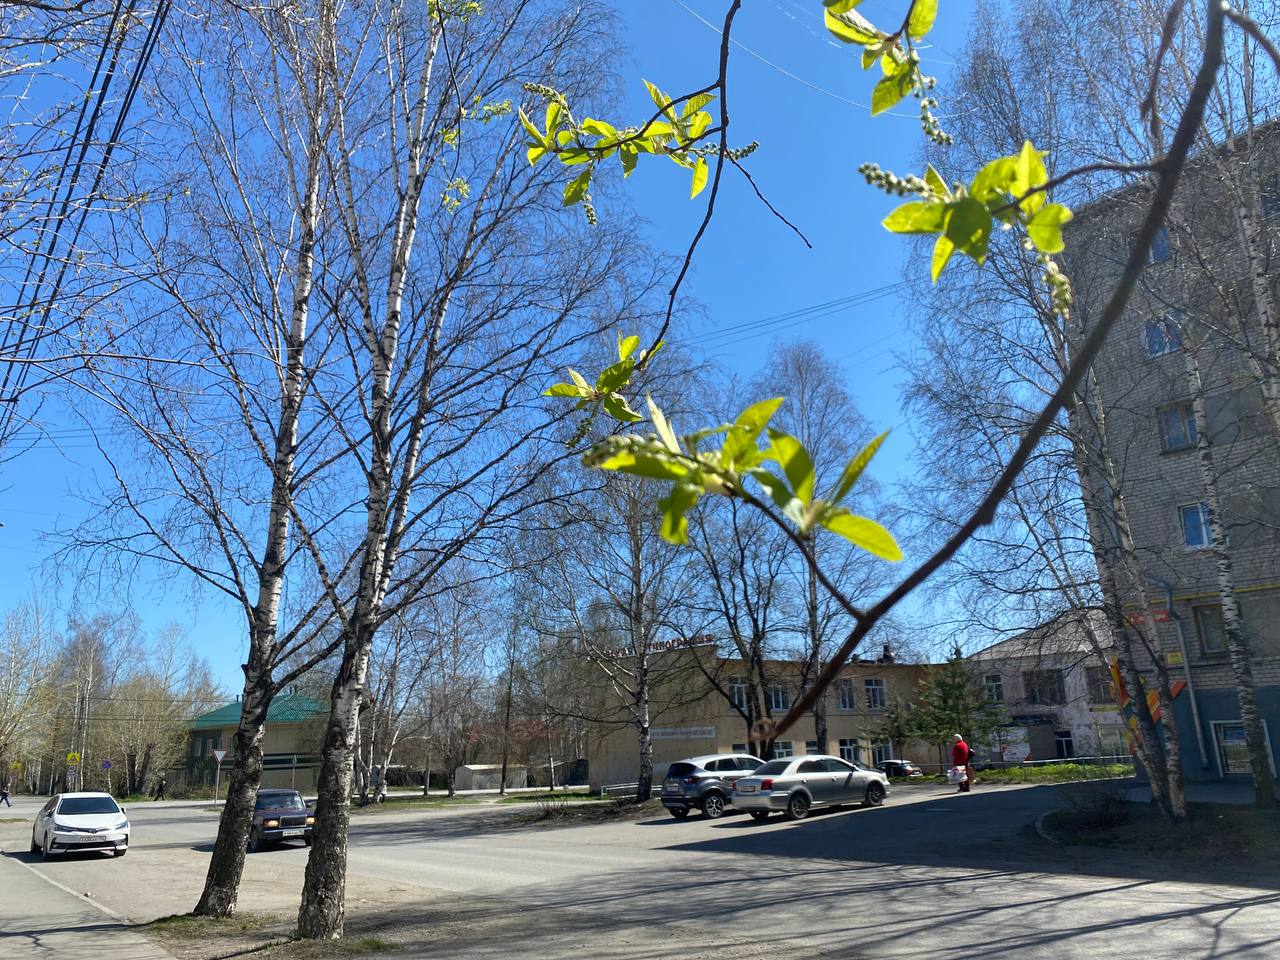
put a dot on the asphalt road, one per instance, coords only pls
(932, 874)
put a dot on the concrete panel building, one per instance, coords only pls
(1202, 303)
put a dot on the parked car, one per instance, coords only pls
(71, 822)
(899, 768)
(796, 785)
(280, 815)
(704, 783)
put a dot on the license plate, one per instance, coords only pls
(746, 788)
(292, 833)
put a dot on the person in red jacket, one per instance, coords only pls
(962, 756)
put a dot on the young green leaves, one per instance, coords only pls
(899, 62)
(609, 384)
(1008, 191)
(783, 470)
(678, 127)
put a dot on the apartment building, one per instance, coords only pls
(1057, 692)
(1195, 306)
(708, 723)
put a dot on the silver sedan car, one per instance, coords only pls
(796, 785)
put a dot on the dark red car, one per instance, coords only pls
(280, 815)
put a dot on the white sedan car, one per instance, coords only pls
(796, 785)
(71, 822)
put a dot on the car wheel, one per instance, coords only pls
(875, 795)
(45, 852)
(798, 807)
(713, 806)
(760, 815)
(120, 851)
(307, 841)
(254, 842)
(678, 812)
(35, 847)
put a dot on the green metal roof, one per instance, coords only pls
(291, 708)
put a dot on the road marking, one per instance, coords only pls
(75, 893)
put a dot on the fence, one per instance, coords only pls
(1045, 771)
(624, 791)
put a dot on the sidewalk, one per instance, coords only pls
(1238, 792)
(45, 920)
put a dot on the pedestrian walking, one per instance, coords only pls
(962, 756)
(4, 795)
(160, 788)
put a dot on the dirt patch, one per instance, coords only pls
(565, 812)
(403, 804)
(1213, 833)
(432, 924)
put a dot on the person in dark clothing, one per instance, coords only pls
(160, 788)
(962, 756)
(4, 795)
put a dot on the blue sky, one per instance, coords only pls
(803, 96)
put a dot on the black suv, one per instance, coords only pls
(705, 783)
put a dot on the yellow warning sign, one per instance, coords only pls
(73, 759)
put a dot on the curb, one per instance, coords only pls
(1047, 835)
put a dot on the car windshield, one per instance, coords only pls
(280, 801)
(79, 806)
(773, 768)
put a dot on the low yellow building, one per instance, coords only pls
(704, 721)
(290, 743)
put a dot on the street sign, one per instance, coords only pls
(73, 759)
(106, 764)
(219, 755)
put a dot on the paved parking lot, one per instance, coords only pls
(931, 874)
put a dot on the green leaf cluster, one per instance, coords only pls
(899, 64)
(752, 456)
(1008, 192)
(607, 391)
(678, 127)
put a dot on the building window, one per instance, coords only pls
(1044, 686)
(738, 693)
(1063, 744)
(849, 749)
(993, 685)
(1161, 248)
(1195, 524)
(1177, 426)
(875, 693)
(880, 752)
(844, 692)
(779, 699)
(1163, 334)
(1213, 638)
(811, 746)
(1101, 689)
(1270, 195)
(738, 748)
(783, 749)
